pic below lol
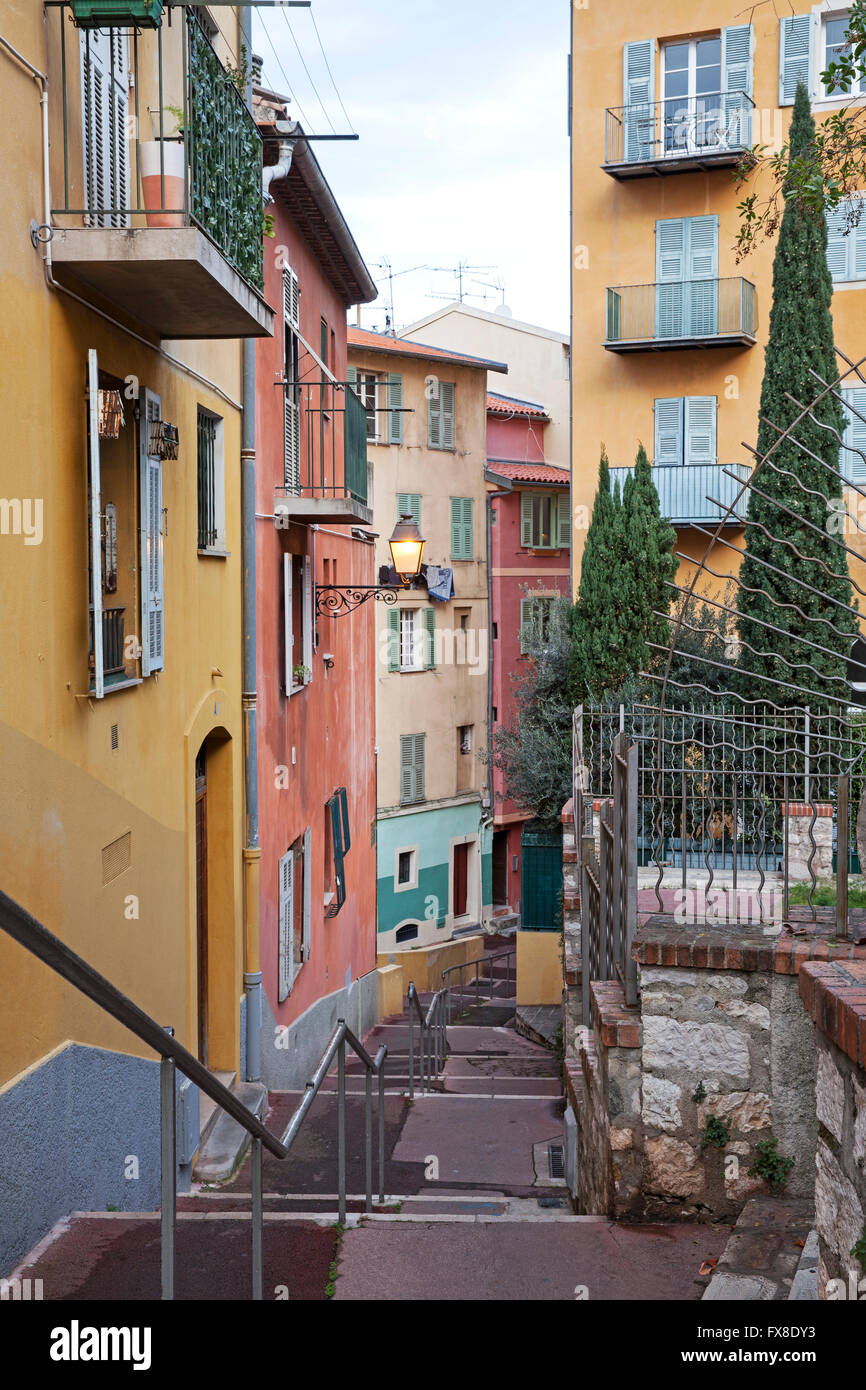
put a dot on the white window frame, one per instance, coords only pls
(288, 968)
(290, 645)
(365, 380)
(412, 883)
(412, 644)
(821, 94)
(691, 98)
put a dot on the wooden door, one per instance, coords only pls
(461, 880)
(201, 902)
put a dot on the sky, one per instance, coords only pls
(461, 106)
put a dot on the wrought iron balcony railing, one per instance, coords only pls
(677, 133)
(157, 134)
(683, 313)
(325, 452)
(688, 493)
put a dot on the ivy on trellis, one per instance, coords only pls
(225, 151)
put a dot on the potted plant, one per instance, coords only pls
(162, 165)
(301, 674)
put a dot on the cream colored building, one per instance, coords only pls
(427, 437)
(538, 361)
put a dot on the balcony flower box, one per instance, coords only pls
(107, 14)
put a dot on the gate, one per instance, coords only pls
(541, 875)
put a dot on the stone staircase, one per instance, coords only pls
(476, 1207)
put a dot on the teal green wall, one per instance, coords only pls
(432, 831)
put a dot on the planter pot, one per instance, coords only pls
(152, 183)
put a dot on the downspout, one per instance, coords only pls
(252, 849)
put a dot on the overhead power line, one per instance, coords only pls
(330, 74)
(298, 105)
(307, 71)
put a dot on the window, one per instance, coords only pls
(382, 398)
(412, 755)
(294, 913)
(462, 528)
(706, 91)
(297, 622)
(440, 415)
(832, 50)
(692, 80)
(411, 639)
(407, 933)
(409, 504)
(846, 241)
(292, 389)
(211, 483)
(406, 870)
(686, 298)
(852, 458)
(368, 390)
(535, 619)
(545, 523)
(464, 738)
(125, 534)
(685, 430)
(338, 842)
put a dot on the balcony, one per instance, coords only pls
(156, 180)
(325, 456)
(677, 135)
(685, 491)
(681, 314)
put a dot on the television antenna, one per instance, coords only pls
(460, 272)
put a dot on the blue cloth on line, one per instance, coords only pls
(440, 583)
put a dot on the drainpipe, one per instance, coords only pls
(252, 848)
(282, 168)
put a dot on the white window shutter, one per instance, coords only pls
(105, 109)
(288, 622)
(152, 558)
(308, 618)
(700, 429)
(858, 236)
(638, 85)
(668, 430)
(434, 418)
(291, 299)
(292, 441)
(852, 466)
(795, 49)
(286, 924)
(307, 943)
(95, 522)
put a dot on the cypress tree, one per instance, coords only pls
(800, 338)
(651, 565)
(597, 662)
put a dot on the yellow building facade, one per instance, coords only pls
(669, 330)
(121, 703)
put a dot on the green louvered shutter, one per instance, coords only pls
(852, 466)
(668, 430)
(526, 520)
(446, 392)
(395, 406)
(420, 768)
(352, 375)
(462, 529)
(795, 43)
(434, 418)
(409, 504)
(700, 429)
(638, 74)
(394, 639)
(429, 639)
(563, 522)
(525, 620)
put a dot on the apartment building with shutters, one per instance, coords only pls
(121, 701)
(316, 677)
(668, 328)
(426, 430)
(530, 565)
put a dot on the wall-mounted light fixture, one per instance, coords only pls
(407, 554)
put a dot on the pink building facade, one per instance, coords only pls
(530, 564)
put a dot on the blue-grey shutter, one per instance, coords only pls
(670, 274)
(420, 752)
(737, 80)
(838, 242)
(446, 393)
(152, 565)
(352, 375)
(668, 430)
(858, 236)
(638, 82)
(795, 47)
(852, 466)
(702, 265)
(700, 429)
(395, 407)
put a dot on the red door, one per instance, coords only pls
(461, 880)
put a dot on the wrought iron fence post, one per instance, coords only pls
(341, 1127)
(842, 833)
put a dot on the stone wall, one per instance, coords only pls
(719, 1050)
(835, 1000)
(572, 1007)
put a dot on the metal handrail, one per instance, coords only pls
(18, 924)
(481, 960)
(432, 1039)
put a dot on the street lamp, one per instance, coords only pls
(407, 553)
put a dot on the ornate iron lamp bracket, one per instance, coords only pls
(336, 600)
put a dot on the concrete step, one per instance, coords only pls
(226, 1141)
(764, 1251)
